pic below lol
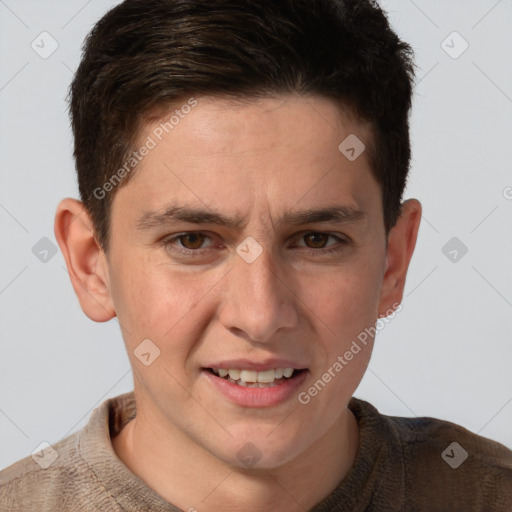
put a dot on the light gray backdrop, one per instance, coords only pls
(447, 354)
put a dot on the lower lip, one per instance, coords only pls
(256, 397)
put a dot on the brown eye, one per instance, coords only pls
(192, 240)
(316, 240)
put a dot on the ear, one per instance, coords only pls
(401, 244)
(85, 260)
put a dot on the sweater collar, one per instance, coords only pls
(378, 468)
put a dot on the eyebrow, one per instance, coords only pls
(176, 213)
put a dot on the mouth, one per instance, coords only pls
(257, 379)
(253, 383)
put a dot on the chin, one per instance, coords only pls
(257, 452)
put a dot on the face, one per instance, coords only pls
(247, 240)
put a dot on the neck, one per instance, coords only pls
(191, 478)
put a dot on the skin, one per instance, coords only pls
(256, 160)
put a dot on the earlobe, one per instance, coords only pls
(401, 244)
(85, 260)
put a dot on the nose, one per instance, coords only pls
(258, 301)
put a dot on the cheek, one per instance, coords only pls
(156, 302)
(346, 298)
(345, 306)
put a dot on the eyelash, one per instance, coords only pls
(168, 244)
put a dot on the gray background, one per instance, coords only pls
(447, 354)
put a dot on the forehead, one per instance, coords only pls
(268, 154)
(230, 125)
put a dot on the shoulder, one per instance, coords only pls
(24, 483)
(43, 480)
(80, 472)
(452, 444)
(473, 469)
(61, 476)
(446, 465)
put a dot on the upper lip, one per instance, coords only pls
(258, 366)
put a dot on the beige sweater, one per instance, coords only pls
(402, 465)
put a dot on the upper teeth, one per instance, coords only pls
(266, 376)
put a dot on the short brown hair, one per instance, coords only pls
(148, 55)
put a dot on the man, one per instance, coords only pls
(241, 167)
